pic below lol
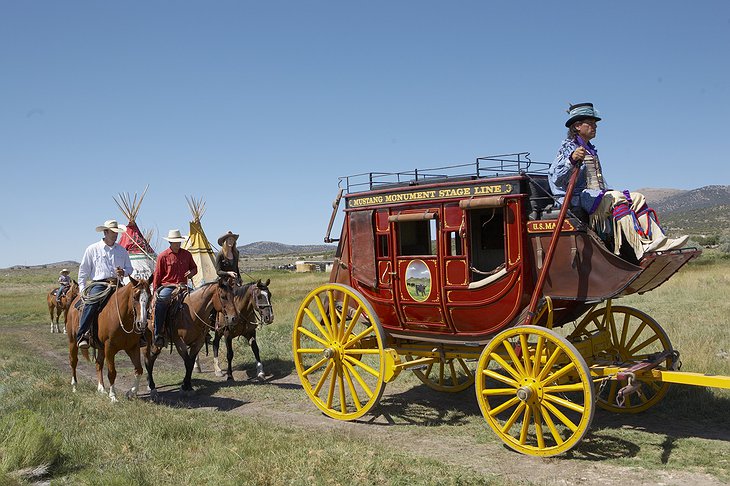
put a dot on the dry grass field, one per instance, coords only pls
(251, 432)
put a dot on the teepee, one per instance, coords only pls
(141, 254)
(199, 246)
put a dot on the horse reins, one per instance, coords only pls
(119, 314)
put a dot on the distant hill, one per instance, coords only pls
(657, 196)
(64, 264)
(701, 211)
(261, 248)
(703, 197)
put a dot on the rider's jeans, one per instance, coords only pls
(163, 302)
(91, 311)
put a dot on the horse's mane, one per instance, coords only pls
(239, 291)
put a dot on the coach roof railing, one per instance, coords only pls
(483, 167)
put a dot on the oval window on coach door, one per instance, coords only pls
(418, 280)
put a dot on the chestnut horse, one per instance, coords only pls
(55, 308)
(119, 324)
(190, 326)
(253, 304)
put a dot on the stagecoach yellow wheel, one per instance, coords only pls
(450, 375)
(338, 351)
(535, 390)
(633, 336)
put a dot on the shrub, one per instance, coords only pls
(724, 245)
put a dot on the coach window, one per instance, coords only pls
(416, 237)
(487, 241)
(453, 244)
(382, 245)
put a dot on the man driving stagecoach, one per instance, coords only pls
(621, 216)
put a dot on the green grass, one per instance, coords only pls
(144, 442)
(84, 439)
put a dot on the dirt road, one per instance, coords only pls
(416, 419)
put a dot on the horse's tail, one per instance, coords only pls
(85, 353)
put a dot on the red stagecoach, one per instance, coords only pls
(466, 275)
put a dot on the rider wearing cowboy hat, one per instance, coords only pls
(174, 267)
(621, 216)
(226, 262)
(64, 282)
(102, 261)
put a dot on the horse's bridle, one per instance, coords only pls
(135, 327)
(261, 301)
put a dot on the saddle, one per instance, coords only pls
(95, 342)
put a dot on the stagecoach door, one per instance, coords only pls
(417, 283)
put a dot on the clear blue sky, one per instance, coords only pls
(259, 106)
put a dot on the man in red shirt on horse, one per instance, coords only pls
(174, 267)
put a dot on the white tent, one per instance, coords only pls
(141, 254)
(199, 246)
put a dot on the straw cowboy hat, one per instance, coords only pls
(581, 111)
(113, 226)
(63, 271)
(225, 236)
(174, 236)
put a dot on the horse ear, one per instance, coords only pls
(133, 281)
(149, 280)
(268, 280)
(258, 283)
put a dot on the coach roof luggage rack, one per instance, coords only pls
(483, 167)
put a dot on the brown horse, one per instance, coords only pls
(124, 313)
(253, 304)
(56, 307)
(190, 327)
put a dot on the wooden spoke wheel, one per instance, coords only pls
(634, 337)
(451, 375)
(535, 390)
(338, 351)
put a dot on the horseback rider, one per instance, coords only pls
(103, 261)
(621, 215)
(64, 283)
(174, 267)
(226, 262)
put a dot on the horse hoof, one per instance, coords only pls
(261, 376)
(113, 399)
(100, 388)
(219, 373)
(153, 394)
(230, 378)
(131, 394)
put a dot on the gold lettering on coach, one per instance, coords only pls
(428, 195)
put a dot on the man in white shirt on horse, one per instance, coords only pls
(102, 261)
